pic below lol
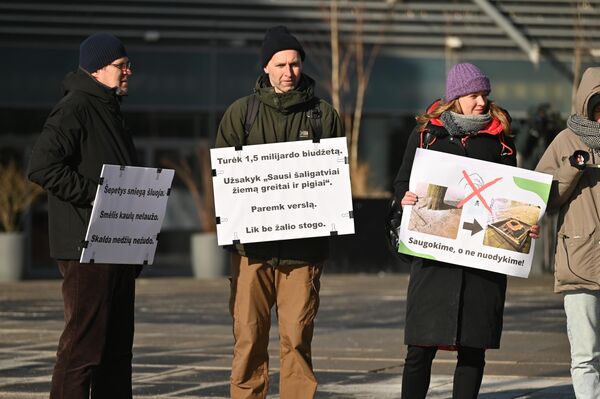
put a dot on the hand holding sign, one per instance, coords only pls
(459, 198)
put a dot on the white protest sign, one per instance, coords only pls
(127, 215)
(473, 213)
(282, 191)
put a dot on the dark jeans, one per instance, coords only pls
(467, 375)
(95, 348)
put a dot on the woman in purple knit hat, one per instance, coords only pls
(452, 307)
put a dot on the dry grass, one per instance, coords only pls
(362, 182)
(200, 187)
(16, 195)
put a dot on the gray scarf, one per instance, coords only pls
(588, 131)
(460, 125)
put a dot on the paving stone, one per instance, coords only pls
(183, 343)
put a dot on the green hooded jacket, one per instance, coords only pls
(281, 118)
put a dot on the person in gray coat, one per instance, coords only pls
(573, 158)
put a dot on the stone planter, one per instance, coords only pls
(12, 260)
(208, 259)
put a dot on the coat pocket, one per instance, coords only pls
(578, 256)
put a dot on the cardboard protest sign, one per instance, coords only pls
(473, 213)
(282, 191)
(127, 215)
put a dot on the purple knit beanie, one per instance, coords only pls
(465, 79)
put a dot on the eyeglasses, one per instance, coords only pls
(124, 66)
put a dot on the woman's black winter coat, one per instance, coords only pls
(449, 305)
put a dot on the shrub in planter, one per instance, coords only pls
(16, 196)
(208, 260)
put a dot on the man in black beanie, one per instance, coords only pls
(84, 131)
(284, 274)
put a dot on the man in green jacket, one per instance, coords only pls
(281, 273)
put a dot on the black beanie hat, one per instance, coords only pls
(99, 50)
(593, 102)
(277, 39)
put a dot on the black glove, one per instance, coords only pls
(579, 159)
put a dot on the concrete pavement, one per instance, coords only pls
(183, 340)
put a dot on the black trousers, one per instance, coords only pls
(95, 348)
(467, 375)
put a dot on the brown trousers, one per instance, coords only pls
(255, 288)
(95, 348)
